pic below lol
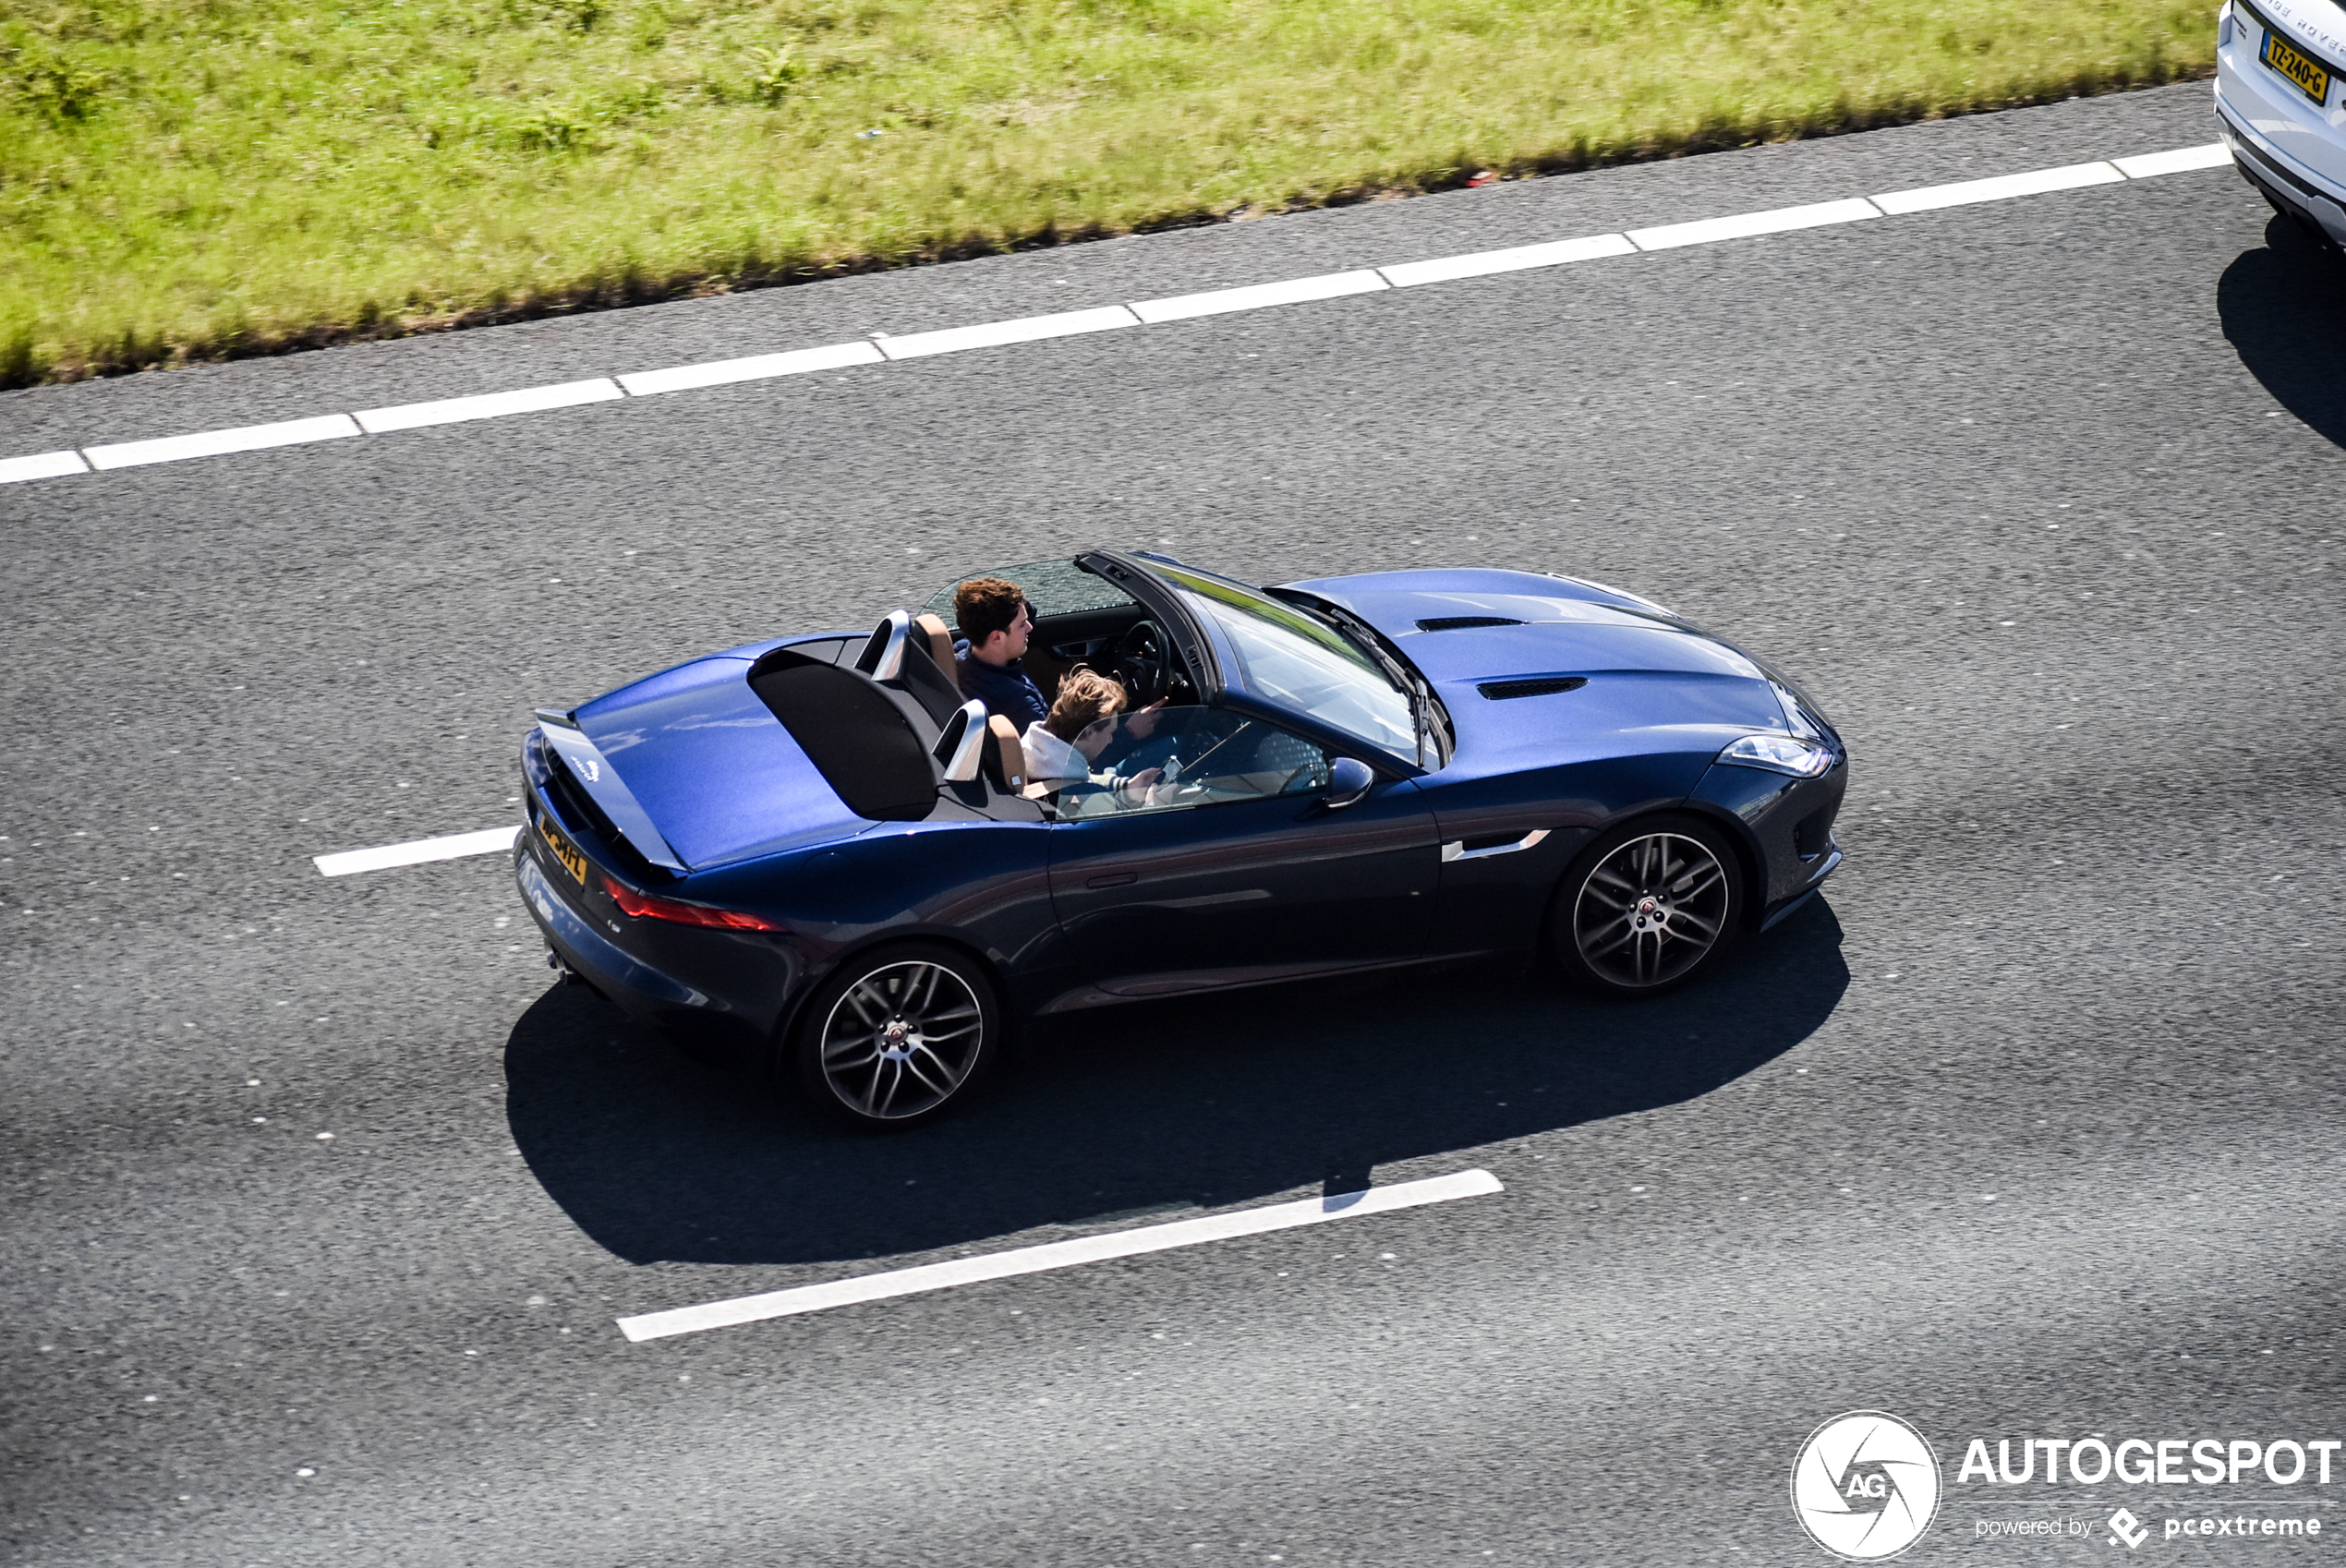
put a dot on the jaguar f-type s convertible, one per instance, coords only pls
(818, 855)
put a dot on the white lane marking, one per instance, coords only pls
(2004, 187)
(211, 443)
(2150, 165)
(40, 465)
(756, 368)
(455, 847)
(1056, 1255)
(1402, 274)
(1744, 225)
(487, 406)
(1255, 297)
(1515, 258)
(1024, 329)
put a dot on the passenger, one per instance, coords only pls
(1063, 747)
(996, 623)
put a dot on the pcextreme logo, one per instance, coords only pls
(1865, 1486)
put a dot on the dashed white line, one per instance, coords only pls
(756, 368)
(1024, 329)
(953, 340)
(40, 465)
(2182, 160)
(213, 444)
(456, 846)
(2004, 187)
(1748, 225)
(1056, 1255)
(1257, 296)
(488, 406)
(1515, 258)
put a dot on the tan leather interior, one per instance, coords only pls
(940, 646)
(1007, 748)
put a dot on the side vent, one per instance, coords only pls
(1460, 622)
(1538, 686)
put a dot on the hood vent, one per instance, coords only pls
(1536, 686)
(1460, 622)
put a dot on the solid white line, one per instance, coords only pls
(1024, 329)
(488, 406)
(1516, 258)
(211, 443)
(1254, 296)
(1055, 1255)
(756, 368)
(40, 465)
(2035, 182)
(455, 847)
(1707, 231)
(2150, 165)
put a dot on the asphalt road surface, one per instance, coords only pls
(2031, 1130)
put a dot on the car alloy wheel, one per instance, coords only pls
(897, 1039)
(1649, 909)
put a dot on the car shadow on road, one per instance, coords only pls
(2284, 309)
(1131, 1114)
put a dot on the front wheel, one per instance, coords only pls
(898, 1036)
(1647, 906)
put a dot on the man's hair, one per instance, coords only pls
(1085, 697)
(983, 605)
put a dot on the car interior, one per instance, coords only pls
(884, 720)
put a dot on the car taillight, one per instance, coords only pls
(644, 905)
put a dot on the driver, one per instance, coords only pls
(996, 623)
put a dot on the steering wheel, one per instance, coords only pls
(1143, 662)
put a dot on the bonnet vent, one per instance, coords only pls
(1538, 686)
(1460, 622)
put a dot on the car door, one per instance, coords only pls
(1201, 854)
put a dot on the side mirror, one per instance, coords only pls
(1348, 780)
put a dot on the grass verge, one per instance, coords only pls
(197, 179)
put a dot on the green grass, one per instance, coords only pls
(200, 178)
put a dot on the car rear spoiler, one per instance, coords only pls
(603, 786)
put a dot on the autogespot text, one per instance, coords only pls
(2167, 1462)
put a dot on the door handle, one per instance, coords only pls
(1455, 850)
(1114, 879)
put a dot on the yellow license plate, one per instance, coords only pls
(2304, 74)
(563, 850)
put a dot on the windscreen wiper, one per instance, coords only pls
(1364, 636)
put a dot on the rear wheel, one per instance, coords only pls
(1647, 906)
(898, 1036)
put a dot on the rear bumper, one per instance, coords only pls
(635, 986)
(2283, 145)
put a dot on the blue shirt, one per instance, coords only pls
(1006, 689)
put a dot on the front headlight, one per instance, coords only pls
(1780, 754)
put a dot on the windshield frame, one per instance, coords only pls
(1199, 608)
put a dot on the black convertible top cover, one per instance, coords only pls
(852, 734)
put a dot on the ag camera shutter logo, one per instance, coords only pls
(1865, 1486)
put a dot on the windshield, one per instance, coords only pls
(1301, 663)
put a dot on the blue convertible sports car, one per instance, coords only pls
(815, 854)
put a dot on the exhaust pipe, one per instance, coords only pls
(563, 971)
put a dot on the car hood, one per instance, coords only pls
(1650, 681)
(712, 766)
